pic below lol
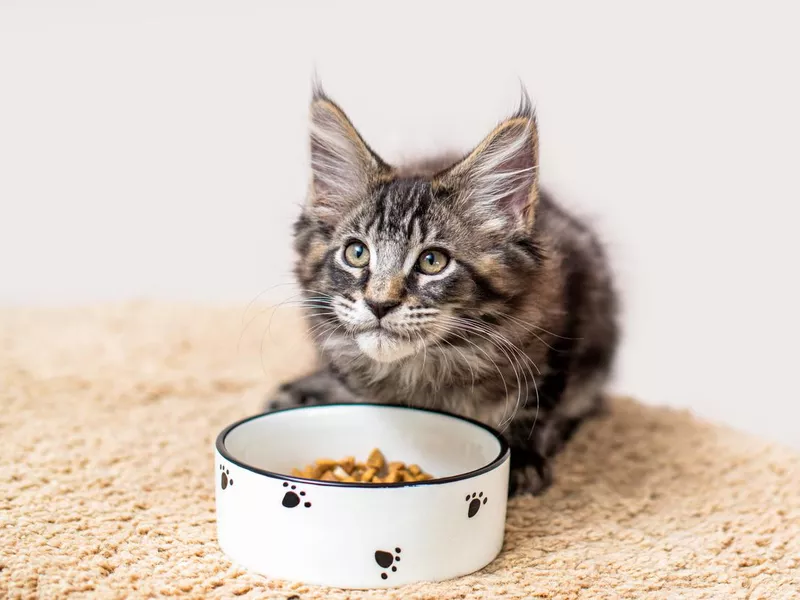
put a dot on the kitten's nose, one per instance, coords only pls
(380, 309)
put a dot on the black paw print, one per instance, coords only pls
(224, 480)
(474, 504)
(385, 560)
(291, 499)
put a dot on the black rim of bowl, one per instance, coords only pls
(504, 449)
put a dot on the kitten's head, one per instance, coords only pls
(394, 258)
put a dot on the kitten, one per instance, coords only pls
(454, 283)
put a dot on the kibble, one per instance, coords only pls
(374, 470)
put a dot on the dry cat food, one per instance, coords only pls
(374, 470)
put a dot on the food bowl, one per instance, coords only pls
(360, 535)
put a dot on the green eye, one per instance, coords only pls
(431, 262)
(356, 255)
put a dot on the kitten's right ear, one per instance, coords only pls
(498, 181)
(343, 166)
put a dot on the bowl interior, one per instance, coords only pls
(442, 445)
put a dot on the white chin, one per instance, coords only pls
(383, 348)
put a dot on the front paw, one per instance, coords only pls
(293, 394)
(530, 479)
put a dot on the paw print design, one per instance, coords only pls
(224, 478)
(291, 498)
(386, 560)
(474, 503)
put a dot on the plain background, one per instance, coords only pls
(158, 150)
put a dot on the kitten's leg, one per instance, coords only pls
(535, 441)
(321, 387)
(531, 472)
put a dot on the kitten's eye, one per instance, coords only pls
(356, 255)
(432, 262)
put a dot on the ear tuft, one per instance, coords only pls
(317, 91)
(525, 109)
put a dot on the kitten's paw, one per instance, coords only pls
(530, 479)
(293, 394)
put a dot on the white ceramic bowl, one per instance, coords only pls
(360, 535)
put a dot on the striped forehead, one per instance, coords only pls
(399, 211)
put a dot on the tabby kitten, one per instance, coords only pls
(454, 283)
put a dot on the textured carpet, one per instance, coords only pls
(107, 423)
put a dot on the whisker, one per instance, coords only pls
(542, 329)
(502, 340)
(424, 351)
(466, 362)
(290, 301)
(514, 360)
(497, 368)
(261, 293)
(330, 335)
(329, 329)
(530, 361)
(530, 331)
(274, 308)
(318, 326)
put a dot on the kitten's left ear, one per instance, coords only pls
(499, 179)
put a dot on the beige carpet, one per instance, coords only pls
(107, 423)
